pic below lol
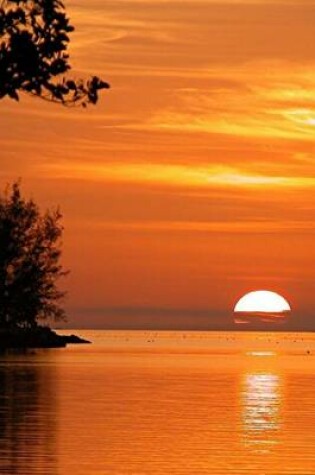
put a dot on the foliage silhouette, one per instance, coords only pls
(34, 36)
(29, 262)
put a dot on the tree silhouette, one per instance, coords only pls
(29, 262)
(34, 36)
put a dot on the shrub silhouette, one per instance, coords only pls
(29, 262)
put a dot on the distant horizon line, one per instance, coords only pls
(240, 328)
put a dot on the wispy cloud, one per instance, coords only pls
(176, 175)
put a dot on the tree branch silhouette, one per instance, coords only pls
(34, 37)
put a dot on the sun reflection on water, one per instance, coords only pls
(261, 401)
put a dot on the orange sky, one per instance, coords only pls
(192, 182)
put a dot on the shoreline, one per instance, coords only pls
(39, 337)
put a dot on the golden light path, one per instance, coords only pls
(261, 401)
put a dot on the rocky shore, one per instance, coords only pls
(40, 337)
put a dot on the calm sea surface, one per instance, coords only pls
(171, 403)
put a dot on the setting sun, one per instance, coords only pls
(261, 307)
(262, 301)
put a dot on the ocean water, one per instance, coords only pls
(153, 403)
